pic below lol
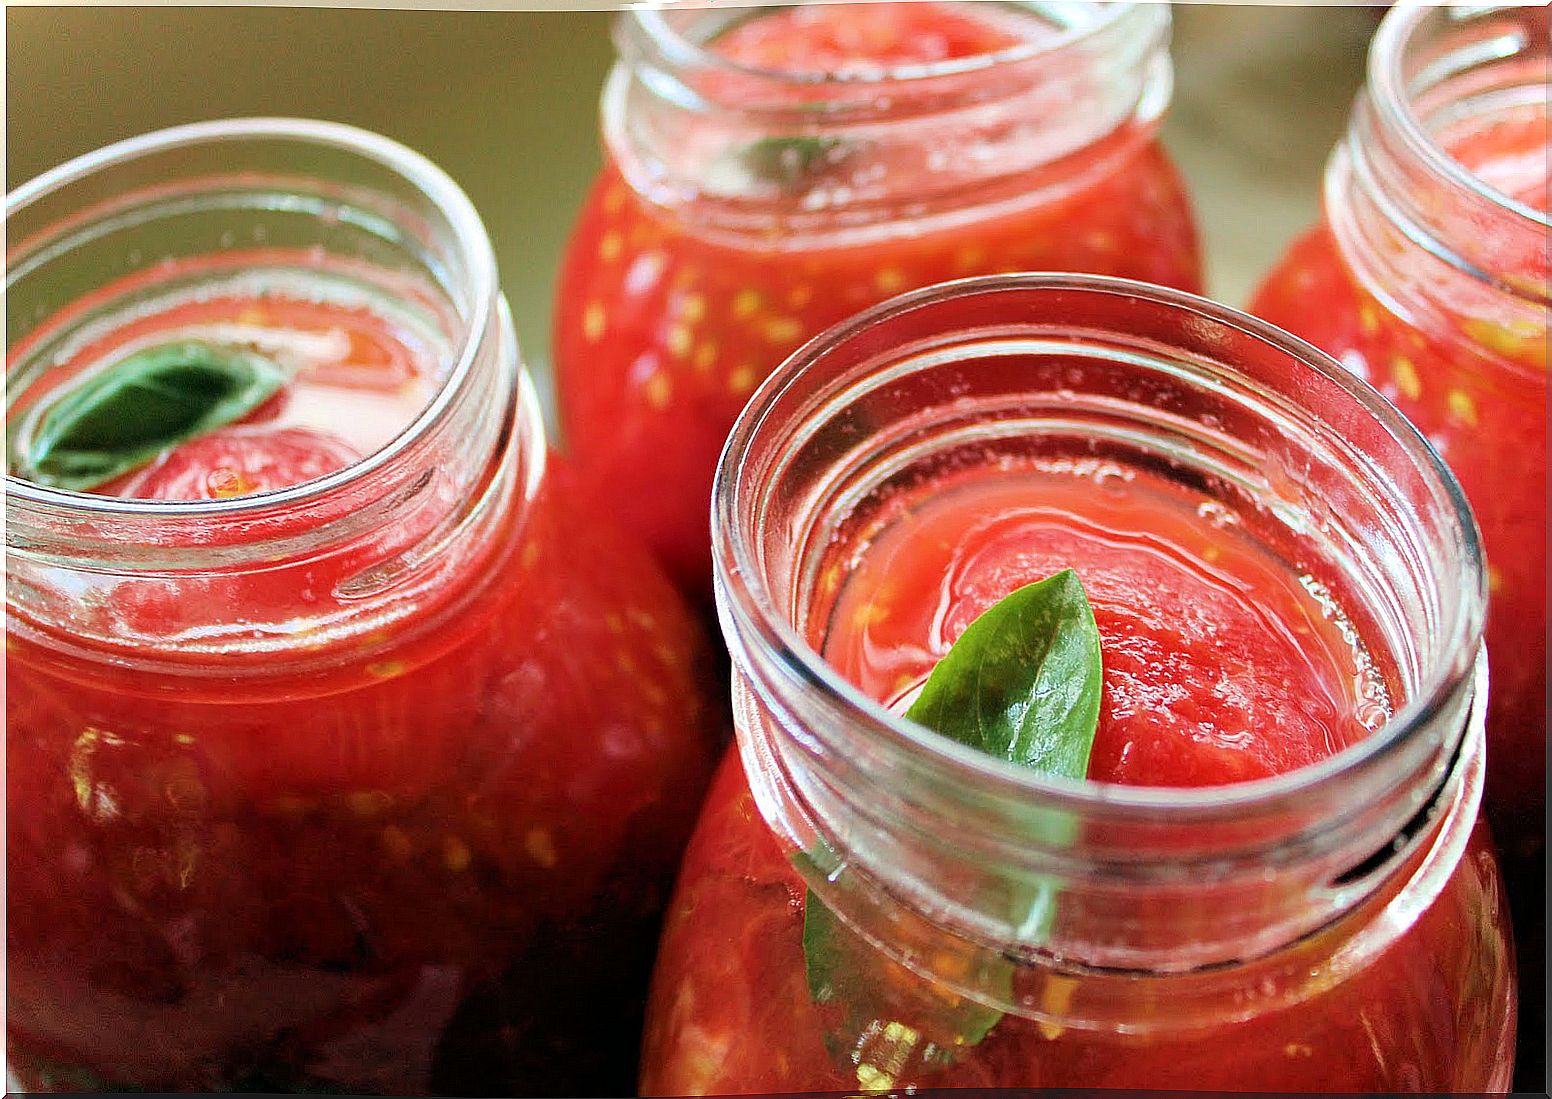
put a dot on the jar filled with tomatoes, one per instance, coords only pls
(331, 763)
(1227, 843)
(1430, 276)
(771, 171)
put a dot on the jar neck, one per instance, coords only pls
(703, 137)
(387, 536)
(922, 844)
(1426, 234)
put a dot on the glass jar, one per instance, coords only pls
(1430, 277)
(1337, 927)
(371, 784)
(743, 209)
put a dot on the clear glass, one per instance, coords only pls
(370, 784)
(743, 210)
(1431, 277)
(1226, 938)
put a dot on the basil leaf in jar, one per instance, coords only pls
(131, 411)
(1023, 680)
(790, 162)
(1022, 683)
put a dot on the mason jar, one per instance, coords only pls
(355, 776)
(1430, 276)
(1226, 901)
(770, 172)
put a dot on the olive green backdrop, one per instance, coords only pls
(507, 103)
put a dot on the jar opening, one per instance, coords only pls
(1040, 28)
(1430, 66)
(1331, 484)
(463, 264)
(796, 406)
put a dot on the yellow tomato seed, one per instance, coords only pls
(659, 391)
(746, 303)
(1407, 382)
(368, 803)
(397, 842)
(1055, 1000)
(968, 259)
(741, 380)
(782, 329)
(1462, 407)
(678, 340)
(540, 847)
(455, 854)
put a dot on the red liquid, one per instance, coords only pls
(1220, 664)
(663, 329)
(428, 857)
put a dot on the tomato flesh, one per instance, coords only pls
(1219, 665)
(860, 38)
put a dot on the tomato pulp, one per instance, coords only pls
(255, 846)
(665, 324)
(1222, 662)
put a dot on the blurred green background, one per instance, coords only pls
(507, 103)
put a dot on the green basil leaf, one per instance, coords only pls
(1023, 683)
(128, 413)
(1023, 680)
(790, 162)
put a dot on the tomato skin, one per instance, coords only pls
(1485, 412)
(431, 862)
(662, 333)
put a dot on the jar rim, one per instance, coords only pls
(744, 598)
(469, 236)
(677, 48)
(1394, 102)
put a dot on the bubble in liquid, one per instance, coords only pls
(1216, 514)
